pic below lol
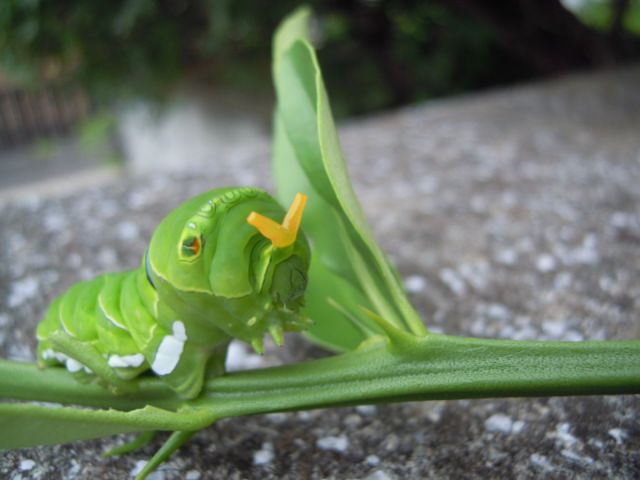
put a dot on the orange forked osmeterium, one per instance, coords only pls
(281, 235)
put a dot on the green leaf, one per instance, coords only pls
(152, 406)
(308, 158)
(25, 425)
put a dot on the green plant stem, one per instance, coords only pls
(25, 381)
(403, 369)
(430, 368)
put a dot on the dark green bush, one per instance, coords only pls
(375, 53)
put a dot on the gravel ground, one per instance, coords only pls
(511, 214)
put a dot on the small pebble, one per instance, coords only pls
(498, 423)
(541, 462)
(26, 465)
(193, 475)
(415, 283)
(517, 426)
(545, 263)
(336, 444)
(140, 464)
(618, 434)
(265, 455)
(554, 328)
(353, 420)
(366, 409)
(576, 457)
(563, 435)
(507, 256)
(372, 460)
(452, 279)
(22, 290)
(239, 358)
(498, 311)
(276, 417)
(379, 475)
(128, 230)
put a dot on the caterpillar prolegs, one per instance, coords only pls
(218, 267)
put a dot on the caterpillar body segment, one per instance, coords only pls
(208, 276)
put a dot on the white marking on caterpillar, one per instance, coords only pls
(50, 354)
(73, 365)
(170, 350)
(125, 361)
(70, 363)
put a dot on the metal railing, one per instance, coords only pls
(27, 115)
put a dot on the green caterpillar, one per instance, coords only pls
(214, 270)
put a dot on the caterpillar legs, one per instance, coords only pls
(91, 358)
(173, 443)
(142, 440)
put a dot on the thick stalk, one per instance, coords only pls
(25, 381)
(430, 368)
(406, 368)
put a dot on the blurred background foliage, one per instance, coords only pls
(375, 54)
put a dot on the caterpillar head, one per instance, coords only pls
(229, 259)
(282, 269)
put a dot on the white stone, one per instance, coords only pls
(498, 423)
(507, 256)
(618, 434)
(620, 220)
(379, 475)
(278, 417)
(576, 457)
(74, 469)
(265, 455)
(366, 409)
(573, 336)
(240, 358)
(372, 460)
(415, 283)
(21, 291)
(193, 475)
(26, 465)
(545, 263)
(498, 311)
(541, 462)
(128, 230)
(140, 464)
(563, 435)
(554, 328)
(517, 426)
(562, 281)
(454, 281)
(336, 444)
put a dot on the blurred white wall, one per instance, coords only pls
(193, 130)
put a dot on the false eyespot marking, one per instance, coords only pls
(191, 242)
(170, 350)
(285, 234)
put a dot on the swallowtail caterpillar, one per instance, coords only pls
(215, 270)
